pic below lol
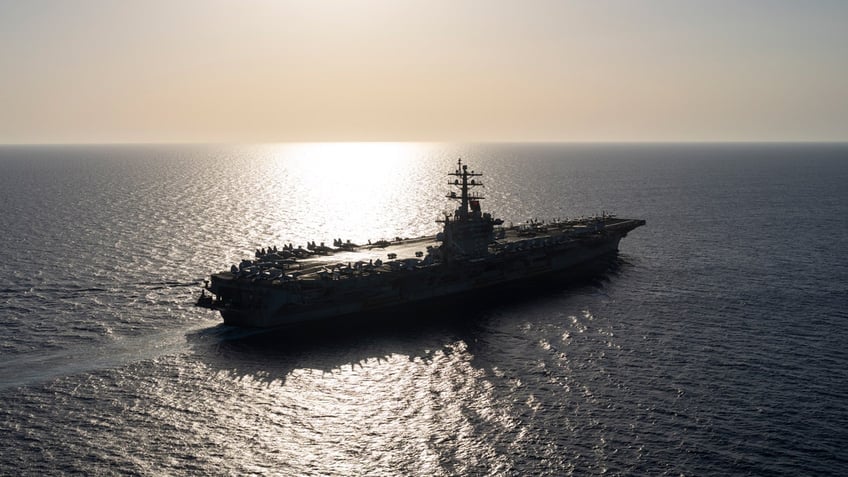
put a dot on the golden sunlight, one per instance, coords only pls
(348, 186)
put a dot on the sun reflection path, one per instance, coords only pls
(357, 191)
(377, 416)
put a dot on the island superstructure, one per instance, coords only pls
(474, 252)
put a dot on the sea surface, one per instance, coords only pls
(717, 345)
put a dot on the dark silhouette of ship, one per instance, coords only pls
(473, 253)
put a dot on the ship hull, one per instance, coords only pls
(430, 288)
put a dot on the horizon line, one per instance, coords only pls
(504, 142)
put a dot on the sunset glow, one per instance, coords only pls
(378, 70)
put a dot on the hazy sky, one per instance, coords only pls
(314, 70)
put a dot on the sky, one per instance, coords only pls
(222, 71)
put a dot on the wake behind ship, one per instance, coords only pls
(473, 252)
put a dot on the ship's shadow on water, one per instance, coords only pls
(417, 333)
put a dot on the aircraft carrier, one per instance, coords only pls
(474, 252)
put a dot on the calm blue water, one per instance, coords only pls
(718, 346)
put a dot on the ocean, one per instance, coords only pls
(717, 344)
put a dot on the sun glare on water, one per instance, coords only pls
(351, 188)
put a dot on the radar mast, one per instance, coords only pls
(465, 182)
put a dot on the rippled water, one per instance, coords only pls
(716, 346)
